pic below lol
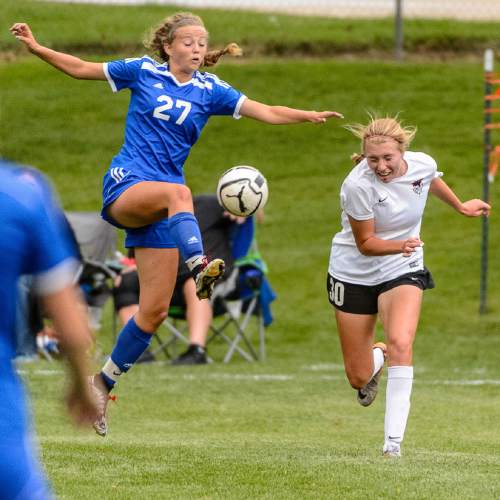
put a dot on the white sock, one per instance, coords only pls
(397, 404)
(111, 370)
(194, 261)
(378, 360)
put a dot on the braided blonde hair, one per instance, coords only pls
(165, 33)
(379, 130)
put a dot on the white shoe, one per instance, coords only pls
(368, 393)
(391, 450)
(101, 395)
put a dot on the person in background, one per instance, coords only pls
(32, 242)
(28, 321)
(377, 264)
(144, 190)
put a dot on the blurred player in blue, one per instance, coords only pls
(33, 241)
(144, 190)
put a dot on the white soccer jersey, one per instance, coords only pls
(397, 208)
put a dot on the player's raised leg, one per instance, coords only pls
(361, 361)
(148, 202)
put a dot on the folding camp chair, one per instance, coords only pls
(237, 318)
(176, 324)
(97, 243)
(238, 310)
(249, 302)
(240, 305)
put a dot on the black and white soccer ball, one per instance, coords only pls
(242, 190)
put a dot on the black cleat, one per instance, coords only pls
(195, 355)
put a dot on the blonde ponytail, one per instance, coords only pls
(357, 158)
(212, 57)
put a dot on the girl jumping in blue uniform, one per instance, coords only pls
(144, 190)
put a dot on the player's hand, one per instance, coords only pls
(234, 218)
(81, 405)
(23, 33)
(322, 116)
(410, 246)
(475, 208)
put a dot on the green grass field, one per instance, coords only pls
(289, 427)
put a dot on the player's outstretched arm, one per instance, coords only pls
(471, 208)
(71, 65)
(70, 322)
(281, 115)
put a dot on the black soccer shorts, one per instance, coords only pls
(363, 299)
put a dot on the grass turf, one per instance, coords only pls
(275, 431)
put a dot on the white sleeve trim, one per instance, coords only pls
(438, 174)
(111, 82)
(55, 279)
(241, 100)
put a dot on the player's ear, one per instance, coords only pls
(167, 48)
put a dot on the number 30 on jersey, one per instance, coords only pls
(161, 112)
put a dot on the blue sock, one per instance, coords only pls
(131, 343)
(185, 231)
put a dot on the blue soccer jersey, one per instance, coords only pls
(32, 241)
(165, 117)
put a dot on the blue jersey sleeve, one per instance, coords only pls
(225, 99)
(52, 256)
(123, 73)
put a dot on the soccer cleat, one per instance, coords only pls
(195, 355)
(101, 395)
(205, 279)
(368, 393)
(392, 450)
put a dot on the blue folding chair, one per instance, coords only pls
(248, 302)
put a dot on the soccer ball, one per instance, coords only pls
(242, 190)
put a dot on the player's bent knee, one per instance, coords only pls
(151, 319)
(180, 194)
(357, 379)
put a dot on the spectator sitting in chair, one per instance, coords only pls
(216, 227)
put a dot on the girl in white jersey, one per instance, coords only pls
(144, 190)
(376, 264)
